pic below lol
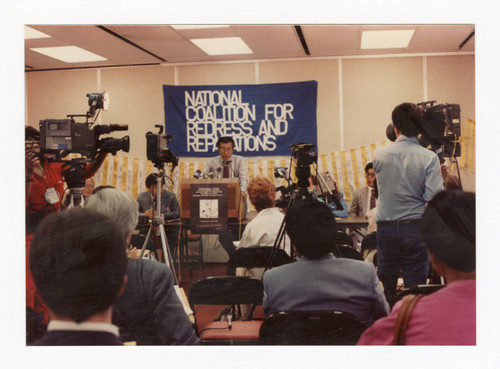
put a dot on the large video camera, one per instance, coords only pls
(60, 137)
(439, 129)
(157, 150)
(304, 156)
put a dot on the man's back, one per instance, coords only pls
(408, 176)
(149, 307)
(328, 283)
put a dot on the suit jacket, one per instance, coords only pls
(359, 204)
(149, 309)
(169, 204)
(328, 283)
(238, 169)
(78, 338)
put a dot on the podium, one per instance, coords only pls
(235, 202)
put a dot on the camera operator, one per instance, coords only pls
(44, 180)
(408, 176)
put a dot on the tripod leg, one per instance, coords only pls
(166, 252)
(146, 241)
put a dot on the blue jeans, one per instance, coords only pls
(400, 247)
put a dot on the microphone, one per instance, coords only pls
(218, 171)
(208, 175)
(197, 174)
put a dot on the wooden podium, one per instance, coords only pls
(235, 201)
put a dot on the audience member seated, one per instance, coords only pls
(264, 228)
(319, 280)
(79, 266)
(170, 208)
(364, 201)
(448, 316)
(149, 308)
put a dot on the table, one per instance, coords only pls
(354, 223)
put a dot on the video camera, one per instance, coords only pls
(61, 137)
(439, 129)
(157, 150)
(303, 155)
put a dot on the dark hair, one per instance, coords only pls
(368, 166)
(151, 179)
(311, 226)
(225, 139)
(78, 262)
(261, 192)
(407, 119)
(31, 133)
(449, 228)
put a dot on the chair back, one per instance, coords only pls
(349, 252)
(342, 238)
(311, 328)
(226, 290)
(257, 257)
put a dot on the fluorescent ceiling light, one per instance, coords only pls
(394, 39)
(199, 26)
(69, 54)
(30, 33)
(222, 46)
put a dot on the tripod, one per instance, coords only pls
(76, 198)
(158, 222)
(301, 193)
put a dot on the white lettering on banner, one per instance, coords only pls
(210, 114)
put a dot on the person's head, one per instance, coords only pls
(225, 145)
(117, 205)
(311, 226)
(406, 118)
(452, 183)
(262, 193)
(151, 183)
(32, 137)
(449, 229)
(370, 175)
(89, 187)
(78, 262)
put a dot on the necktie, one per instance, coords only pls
(372, 199)
(225, 172)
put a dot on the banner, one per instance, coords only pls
(264, 120)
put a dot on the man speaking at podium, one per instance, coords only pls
(227, 165)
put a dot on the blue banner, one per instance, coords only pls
(262, 119)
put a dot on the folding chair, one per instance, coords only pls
(349, 252)
(342, 238)
(311, 328)
(257, 257)
(232, 291)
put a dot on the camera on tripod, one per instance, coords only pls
(439, 129)
(61, 137)
(157, 148)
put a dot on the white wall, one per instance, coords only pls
(355, 95)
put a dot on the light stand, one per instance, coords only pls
(158, 222)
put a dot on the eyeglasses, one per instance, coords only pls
(226, 149)
(370, 174)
